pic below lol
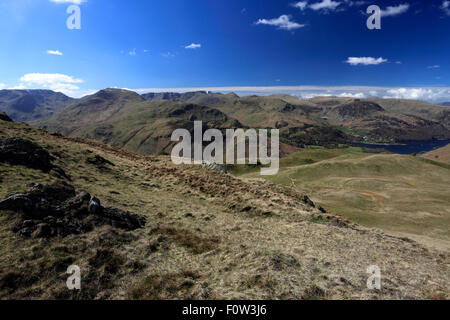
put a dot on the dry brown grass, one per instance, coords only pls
(188, 239)
(166, 286)
(196, 223)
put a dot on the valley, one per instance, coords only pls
(166, 231)
(402, 194)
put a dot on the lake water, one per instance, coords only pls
(409, 147)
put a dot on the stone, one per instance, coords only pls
(99, 161)
(56, 210)
(94, 205)
(4, 117)
(308, 201)
(18, 151)
(43, 230)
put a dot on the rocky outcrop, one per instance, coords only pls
(99, 161)
(4, 117)
(306, 200)
(18, 151)
(281, 124)
(56, 210)
(220, 168)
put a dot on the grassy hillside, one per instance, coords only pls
(381, 120)
(405, 195)
(124, 119)
(144, 123)
(207, 235)
(28, 105)
(441, 154)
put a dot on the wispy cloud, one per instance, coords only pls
(284, 22)
(328, 6)
(132, 52)
(351, 3)
(300, 5)
(168, 54)
(436, 66)
(446, 7)
(69, 1)
(395, 10)
(354, 61)
(325, 5)
(55, 52)
(193, 46)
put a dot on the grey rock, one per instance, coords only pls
(56, 210)
(94, 205)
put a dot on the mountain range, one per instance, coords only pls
(144, 123)
(27, 105)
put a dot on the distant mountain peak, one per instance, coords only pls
(32, 104)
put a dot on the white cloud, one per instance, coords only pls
(325, 5)
(395, 10)
(48, 78)
(69, 1)
(2, 86)
(193, 46)
(434, 67)
(55, 52)
(18, 87)
(328, 5)
(418, 93)
(426, 93)
(300, 5)
(283, 22)
(446, 7)
(132, 52)
(351, 95)
(354, 61)
(53, 81)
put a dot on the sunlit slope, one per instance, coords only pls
(402, 194)
(441, 154)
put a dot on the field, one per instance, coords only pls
(404, 195)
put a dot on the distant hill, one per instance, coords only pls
(144, 123)
(125, 119)
(27, 105)
(374, 119)
(446, 104)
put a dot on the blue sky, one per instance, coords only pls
(247, 46)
